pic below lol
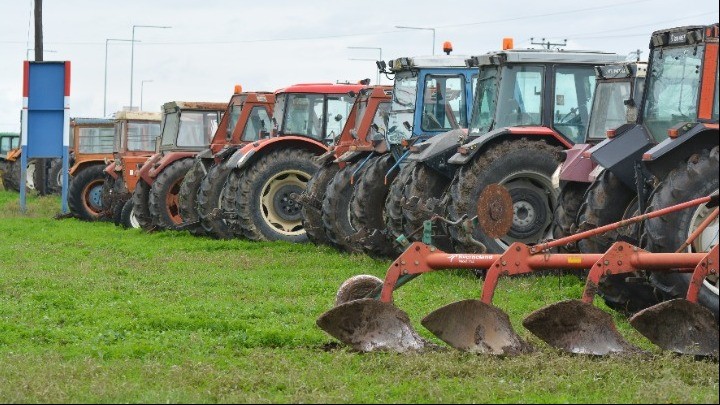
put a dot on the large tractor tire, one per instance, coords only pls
(85, 193)
(426, 188)
(608, 200)
(164, 193)
(368, 205)
(697, 177)
(312, 208)
(128, 219)
(107, 196)
(209, 203)
(188, 197)
(11, 175)
(524, 167)
(55, 176)
(265, 208)
(141, 205)
(229, 200)
(393, 206)
(568, 203)
(336, 209)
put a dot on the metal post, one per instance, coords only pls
(132, 56)
(106, 66)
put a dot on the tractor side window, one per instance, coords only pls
(380, 120)
(96, 140)
(141, 136)
(485, 91)
(520, 97)
(233, 120)
(258, 120)
(608, 110)
(119, 142)
(196, 128)
(338, 109)
(574, 88)
(444, 103)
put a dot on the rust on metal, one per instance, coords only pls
(495, 211)
(680, 326)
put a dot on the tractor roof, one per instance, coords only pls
(621, 70)
(138, 115)
(193, 105)
(690, 34)
(419, 62)
(253, 97)
(545, 56)
(320, 88)
(92, 121)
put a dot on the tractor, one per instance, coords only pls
(186, 130)
(8, 143)
(135, 136)
(248, 118)
(529, 105)
(258, 198)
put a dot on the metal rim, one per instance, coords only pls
(172, 202)
(534, 199)
(134, 223)
(705, 241)
(30, 176)
(279, 211)
(92, 196)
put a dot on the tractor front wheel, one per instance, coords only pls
(568, 204)
(188, 196)
(209, 203)
(164, 195)
(141, 203)
(85, 193)
(312, 207)
(336, 209)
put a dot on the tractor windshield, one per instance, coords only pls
(196, 128)
(403, 107)
(96, 140)
(170, 126)
(444, 105)
(672, 89)
(519, 100)
(142, 135)
(608, 109)
(303, 115)
(278, 113)
(338, 109)
(484, 106)
(236, 105)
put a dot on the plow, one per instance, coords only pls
(365, 318)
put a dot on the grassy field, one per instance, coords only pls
(93, 313)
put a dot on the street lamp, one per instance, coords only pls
(369, 47)
(106, 60)
(421, 28)
(142, 83)
(132, 55)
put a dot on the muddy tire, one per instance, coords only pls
(107, 196)
(697, 177)
(355, 288)
(312, 210)
(608, 200)
(11, 176)
(128, 219)
(426, 186)
(336, 209)
(264, 207)
(164, 195)
(368, 205)
(84, 194)
(55, 176)
(209, 203)
(568, 203)
(393, 205)
(188, 197)
(525, 168)
(141, 205)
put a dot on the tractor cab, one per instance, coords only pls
(189, 126)
(7, 142)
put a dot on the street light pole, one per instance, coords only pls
(369, 47)
(142, 84)
(132, 56)
(422, 28)
(106, 65)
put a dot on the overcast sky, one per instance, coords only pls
(265, 45)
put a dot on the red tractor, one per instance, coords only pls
(258, 197)
(248, 118)
(186, 130)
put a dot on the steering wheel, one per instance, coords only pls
(569, 116)
(433, 120)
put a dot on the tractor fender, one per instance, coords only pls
(205, 154)
(168, 159)
(620, 153)
(691, 138)
(437, 145)
(467, 151)
(245, 155)
(577, 165)
(144, 171)
(350, 155)
(110, 170)
(79, 166)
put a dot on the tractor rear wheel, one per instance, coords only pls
(393, 205)
(336, 209)
(85, 193)
(368, 205)
(265, 208)
(568, 204)
(128, 219)
(209, 205)
(188, 197)
(141, 205)
(524, 167)
(426, 186)
(11, 175)
(697, 177)
(164, 194)
(312, 208)
(107, 195)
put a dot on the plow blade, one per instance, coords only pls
(370, 325)
(474, 326)
(680, 326)
(577, 327)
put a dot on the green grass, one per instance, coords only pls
(93, 313)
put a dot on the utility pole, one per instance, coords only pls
(548, 44)
(40, 164)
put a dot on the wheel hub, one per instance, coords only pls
(279, 210)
